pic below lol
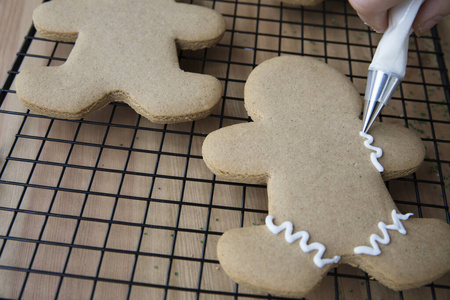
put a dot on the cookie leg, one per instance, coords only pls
(60, 92)
(411, 260)
(257, 258)
(176, 96)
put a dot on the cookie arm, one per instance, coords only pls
(403, 151)
(237, 153)
(197, 27)
(57, 20)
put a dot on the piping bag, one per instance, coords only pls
(389, 62)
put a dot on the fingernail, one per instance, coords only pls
(377, 30)
(363, 19)
(427, 25)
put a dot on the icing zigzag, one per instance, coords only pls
(304, 237)
(374, 155)
(375, 249)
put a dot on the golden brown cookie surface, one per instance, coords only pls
(125, 50)
(326, 198)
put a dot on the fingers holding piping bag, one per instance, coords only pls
(430, 13)
(374, 13)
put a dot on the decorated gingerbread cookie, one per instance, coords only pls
(328, 204)
(125, 51)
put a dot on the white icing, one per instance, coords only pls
(374, 155)
(375, 249)
(304, 237)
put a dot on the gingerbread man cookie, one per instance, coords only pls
(125, 51)
(328, 204)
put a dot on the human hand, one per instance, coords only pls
(374, 13)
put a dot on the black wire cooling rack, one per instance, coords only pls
(116, 207)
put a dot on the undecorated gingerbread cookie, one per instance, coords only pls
(125, 51)
(327, 202)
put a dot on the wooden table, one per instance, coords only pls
(100, 227)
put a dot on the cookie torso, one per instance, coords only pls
(315, 157)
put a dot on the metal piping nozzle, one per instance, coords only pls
(379, 90)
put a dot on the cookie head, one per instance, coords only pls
(302, 83)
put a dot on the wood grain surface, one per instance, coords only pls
(65, 175)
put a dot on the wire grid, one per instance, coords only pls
(113, 206)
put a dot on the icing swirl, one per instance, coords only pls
(304, 237)
(374, 155)
(375, 249)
